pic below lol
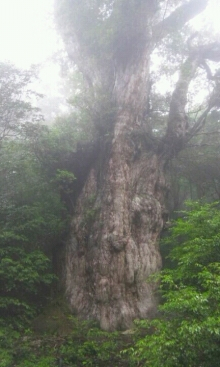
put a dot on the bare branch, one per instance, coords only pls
(178, 18)
(209, 132)
(198, 124)
(205, 66)
(210, 51)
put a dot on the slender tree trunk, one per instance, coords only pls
(113, 249)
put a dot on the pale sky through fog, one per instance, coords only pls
(26, 31)
(27, 35)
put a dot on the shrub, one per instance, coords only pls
(187, 333)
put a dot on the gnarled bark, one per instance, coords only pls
(113, 247)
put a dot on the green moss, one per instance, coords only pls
(90, 211)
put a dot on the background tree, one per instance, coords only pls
(32, 220)
(16, 100)
(120, 211)
(32, 216)
(194, 173)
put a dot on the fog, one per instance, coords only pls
(28, 36)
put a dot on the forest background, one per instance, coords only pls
(42, 169)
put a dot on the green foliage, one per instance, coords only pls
(85, 345)
(91, 210)
(195, 173)
(188, 331)
(54, 146)
(8, 339)
(16, 111)
(32, 217)
(20, 350)
(24, 276)
(89, 346)
(34, 173)
(31, 223)
(87, 20)
(95, 110)
(104, 31)
(64, 179)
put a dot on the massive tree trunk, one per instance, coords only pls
(113, 247)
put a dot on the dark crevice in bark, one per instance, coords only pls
(87, 155)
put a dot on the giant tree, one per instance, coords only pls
(120, 211)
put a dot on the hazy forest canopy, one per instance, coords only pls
(84, 202)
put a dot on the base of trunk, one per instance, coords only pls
(113, 248)
(95, 291)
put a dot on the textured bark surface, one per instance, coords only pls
(113, 247)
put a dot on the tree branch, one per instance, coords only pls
(198, 124)
(210, 51)
(177, 124)
(178, 18)
(207, 69)
(178, 130)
